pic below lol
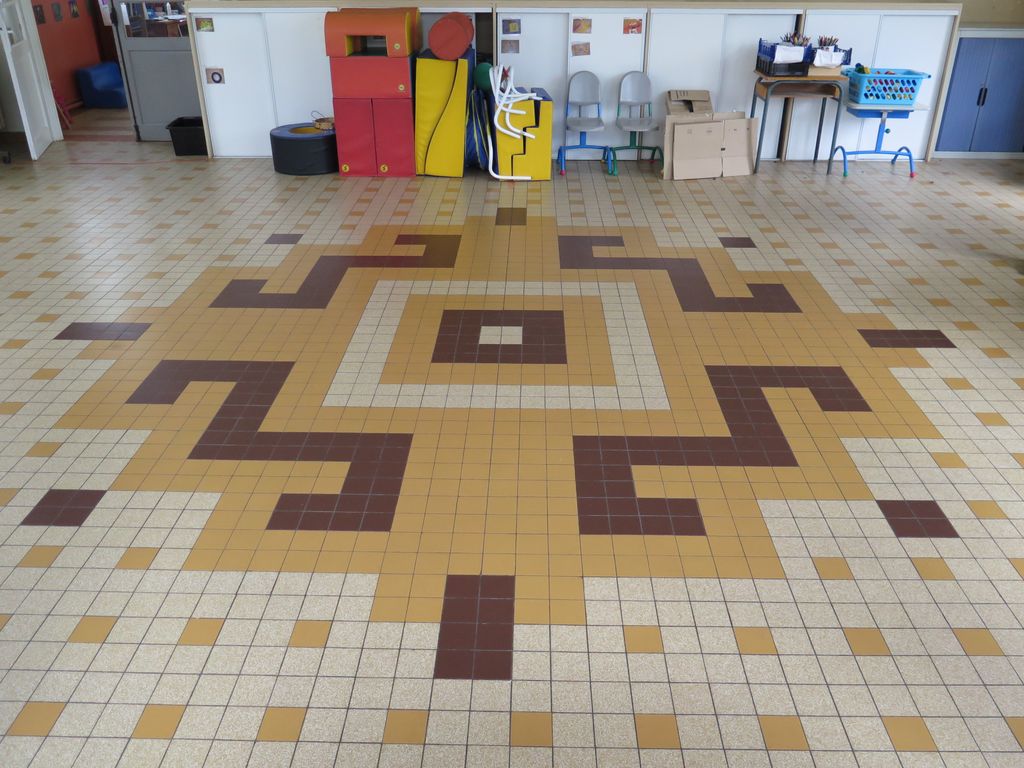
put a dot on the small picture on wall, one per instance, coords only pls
(632, 26)
(58, 12)
(511, 26)
(40, 14)
(204, 24)
(582, 26)
(581, 49)
(73, 9)
(510, 46)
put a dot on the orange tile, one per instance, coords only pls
(866, 641)
(281, 724)
(996, 353)
(309, 634)
(47, 373)
(137, 558)
(987, 510)
(40, 556)
(833, 568)
(958, 383)
(406, 726)
(643, 639)
(531, 729)
(36, 718)
(933, 569)
(947, 460)
(7, 409)
(43, 449)
(158, 721)
(92, 629)
(783, 732)
(1017, 728)
(978, 642)
(201, 632)
(656, 731)
(909, 734)
(992, 419)
(755, 641)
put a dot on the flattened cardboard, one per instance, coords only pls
(680, 118)
(707, 150)
(738, 147)
(688, 101)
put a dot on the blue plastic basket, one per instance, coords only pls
(766, 60)
(885, 87)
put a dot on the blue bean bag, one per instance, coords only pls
(101, 86)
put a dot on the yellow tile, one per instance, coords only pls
(958, 383)
(833, 568)
(987, 510)
(947, 460)
(309, 634)
(6, 494)
(990, 419)
(656, 731)
(137, 558)
(4, 618)
(43, 449)
(281, 724)
(15, 343)
(978, 642)
(201, 632)
(92, 629)
(530, 729)
(1018, 563)
(995, 353)
(406, 726)
(909, 734)
(47, 373)
(6, 409)
(1017, 728)
(643, 639)
(783, 732)
(965, 325)
(933, 569)
(40, 556)
(36, 718)
(158, 721)
(866, 641)
(755, 641)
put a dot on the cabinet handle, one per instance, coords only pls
(984, 95)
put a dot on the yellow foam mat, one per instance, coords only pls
(441, 91)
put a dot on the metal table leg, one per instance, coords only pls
(821, 122)
(835, 133)
(764, 115)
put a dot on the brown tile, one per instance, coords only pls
(905, 338)
(6, 495)
(978, 642)
(909, 519)
(933, 569)
(515, 217)
(832, 568)
(200, 632)
(996, 353)
(866, 641)
(531, 729)
(137, 558)
(1016, 725)
(279, 238)
(755, 641)
(1018, 564)
(7, 409)
(15, 343)
(103, 331)
(47, 318)
(987, 510)
(92, 629)
(958, 383)
(4, 618)
(992, 419)
(909, 734)
(965, 325)
(643, 639)
(783, 732)
(158, 721)
(64, 507)
(460, 338)
(47, 373)
(36, 718)
(40, 556)
(736, 242)
(656, 731)
(406, 726)
(281, 724)
(43, 449)
(477, 627)
(309, 634)
(947, 460)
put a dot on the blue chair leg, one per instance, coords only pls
(846, 167)
(561, 160)
(910, 159)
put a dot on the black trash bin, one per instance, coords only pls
(187, 136)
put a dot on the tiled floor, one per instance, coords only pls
(437, 472)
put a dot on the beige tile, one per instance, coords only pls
(783, 732)
(406, 726)
(656, 731)
(92, 629)
(158, 721)
(643, 639)
(201, 632)
(36, 718)
(909, 734)
(281, 724)
(531, 729)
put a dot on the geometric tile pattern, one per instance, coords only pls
(541, 337)
(475, 641)
(917, 518)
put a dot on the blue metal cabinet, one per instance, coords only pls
(985, 104)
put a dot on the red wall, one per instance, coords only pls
(68, 45)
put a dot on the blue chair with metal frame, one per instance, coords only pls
(584, 95)
(635, 116)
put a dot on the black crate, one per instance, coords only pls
(187, 136)
(768, 67)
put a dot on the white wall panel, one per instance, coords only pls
(612, 55)
(299, 65)
(685, 51)
(240, 111)
(739, 56)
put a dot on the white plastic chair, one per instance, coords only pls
(581, 104)
(635, 115)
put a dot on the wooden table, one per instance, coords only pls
(822, 87)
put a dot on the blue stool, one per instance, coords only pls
(896, 113)
(101, 86)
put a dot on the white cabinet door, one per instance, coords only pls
(854, 30)
(612, 55)
(299, 65)
(739, 56)
(541, 59)
(685, 52)
(912, 41)
(240, 110)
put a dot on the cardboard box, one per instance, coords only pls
(723, 146)
(688, 101)
(687, 118)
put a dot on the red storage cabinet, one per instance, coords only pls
(371, 77)
(354, 130)
(393, 135)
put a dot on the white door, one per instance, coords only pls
(25, 96)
